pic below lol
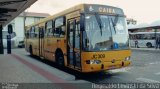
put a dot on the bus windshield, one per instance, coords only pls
(108, 34)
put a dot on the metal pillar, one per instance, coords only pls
(1, 40)
(9, 44)
(10, 31)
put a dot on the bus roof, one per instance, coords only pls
(88, 8)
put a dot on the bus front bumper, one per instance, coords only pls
(106, 66)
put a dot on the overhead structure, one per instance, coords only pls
(9, 9)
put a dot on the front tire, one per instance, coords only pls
(60, 59)
(149, 45)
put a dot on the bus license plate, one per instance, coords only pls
(112, 67)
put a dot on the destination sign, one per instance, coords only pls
(103, 9)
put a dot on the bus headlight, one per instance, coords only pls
(127, 59)
(93, 62)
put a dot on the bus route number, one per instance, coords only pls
(97, 56)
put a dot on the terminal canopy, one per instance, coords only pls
(9, 9)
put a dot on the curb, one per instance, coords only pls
(146, 50)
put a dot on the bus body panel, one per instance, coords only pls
(109, 60)
(142, 43)
(145, 39)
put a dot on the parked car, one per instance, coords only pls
(21, 44)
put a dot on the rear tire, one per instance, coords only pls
(30, 50)
(149, 45)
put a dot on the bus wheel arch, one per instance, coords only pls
(149, 44)
(59, 57)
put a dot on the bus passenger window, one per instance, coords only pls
(36, 32)
(49, 29)
(32, 32)
(56, 33)
(59, 27)
(62, 31)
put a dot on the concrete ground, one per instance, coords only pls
(32, 73)
(19, 68)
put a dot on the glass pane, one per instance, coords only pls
(59, 22)
(106, 33)
(77, 36)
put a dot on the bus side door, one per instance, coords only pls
(41, 41)
(73, 44)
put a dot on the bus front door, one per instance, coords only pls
(73, 44)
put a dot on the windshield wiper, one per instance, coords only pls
(116, 19)
(113, 25)
(99, 21)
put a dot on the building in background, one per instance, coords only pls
(24, 19)
(131, 21)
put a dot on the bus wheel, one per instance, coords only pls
(149, 45)
(30, 50)
(59, 59)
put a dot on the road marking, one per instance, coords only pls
(146, 80)
(152, 63)
(157, 73)
(126, 69)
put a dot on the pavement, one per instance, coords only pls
(146, 49)
(20, 68)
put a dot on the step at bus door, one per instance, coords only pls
(73, 44)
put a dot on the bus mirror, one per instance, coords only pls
(10, 29)
(82, 18)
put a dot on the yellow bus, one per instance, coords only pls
(86, 38)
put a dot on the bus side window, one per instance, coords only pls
(60, 27)
(49, 29)
(62, 31)
(32, 32)
(41, 32)
(36, 32)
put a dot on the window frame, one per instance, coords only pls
(49, 31)
(32, 32)
(60, 30)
